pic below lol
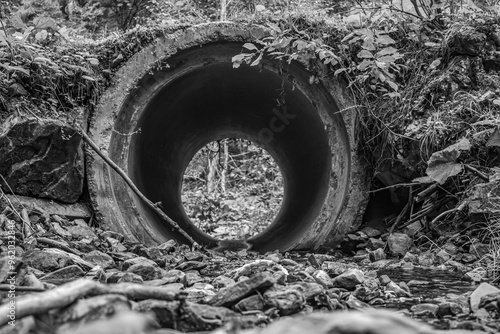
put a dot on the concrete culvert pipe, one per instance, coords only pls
(175, 96)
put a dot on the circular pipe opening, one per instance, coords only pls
(232, 189)
(182, 92)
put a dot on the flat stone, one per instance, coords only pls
(193, 256)
(116, 246)
(130, 278)
(425, 310)
(222, 282)
(41, 159)
(288, 263)
(399, 243)
(257, 266)
(174, 276)
(374, 243)
(377, 255)
(334, 268)
(101, 259)
(252, 303)
(64, 274)
(191, 265)
(231, 295)
(482, 290)
(192, 277)
(398, 290)
(371, 232)
(476, 275)
(349, 279)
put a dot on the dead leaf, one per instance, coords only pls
(494, 139)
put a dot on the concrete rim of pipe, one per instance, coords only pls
(180, 93)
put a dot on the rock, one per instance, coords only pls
(80, 229)
(425, 310)
(252, 303)
(412, 229)
(349, 279)
(371, 232)
(129, 277)
(356, 304)
(397, 290)
(334, 268)
(322, 278)
(384, 280)
(101, 259)
(399, 243)
(195, 317)
(146, 270)
(168, 246)
(288, 263)
(490, 302)
(64, 274)
(192, 277)
(199, 295)
(304, 276)
(138, 260)
(377, 255)
(191, 265)
(41, 159)
(449, 308)
(482, 290)
(308, 290)
(426, 259)
(442, 256)
(257, 266)
(476, 275)
(174, 276)
(450, 248)
(286, 299)
(222, 281)
(313, 261)
(193, 256)
(94, 308)
(97, 274)
(46, 261)
(373, 243)
(115, 245)
(465, 41)
(483, 200)
(233, 294)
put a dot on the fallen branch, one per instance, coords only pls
(133, 187)
(478, 173)
(58, 244)
(67, 294)
(444, 213)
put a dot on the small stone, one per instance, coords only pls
(64, 274)
(349, 279)
(168, 246)
(482, 290)
(334, 268)
(399, 243)
(197, 295)
(273, 257)
(377, 255)
(371, 232)
(192, 277)
(100, 258)
(97, 274)
(286, 299)
(174, 276)
(356, 304)
(443, 256)
(449, 308)
(193, 256)
(412, 229)
(322, 278)
(313, 261)
(308, 290)
(425, 310)
(288, 262)
(305, 276)
(400, 292)
(191, 265)
(426, 259)
(115, 245)
(450, 248)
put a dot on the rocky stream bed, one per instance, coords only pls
(61, 276)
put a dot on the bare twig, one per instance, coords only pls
(426, 192)
(60, 245)
(133, 187)
(477, 172)
(444, 213)
(403, 212)
(395, 186)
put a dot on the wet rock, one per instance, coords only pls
(46, 261)
(425, 310)
(195, 317)
(482, 290)
(64, 274)
(233, 294)
(349, 279)
(101, 259)
(146, 270)
(222, 281)
(322, 278)
(252, 303)
(41, 159)
(286, 299)
(399, 243)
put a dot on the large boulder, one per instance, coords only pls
(41, 158)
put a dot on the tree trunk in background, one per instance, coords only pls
(223, 7)
(223, 176)
(213, 162)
